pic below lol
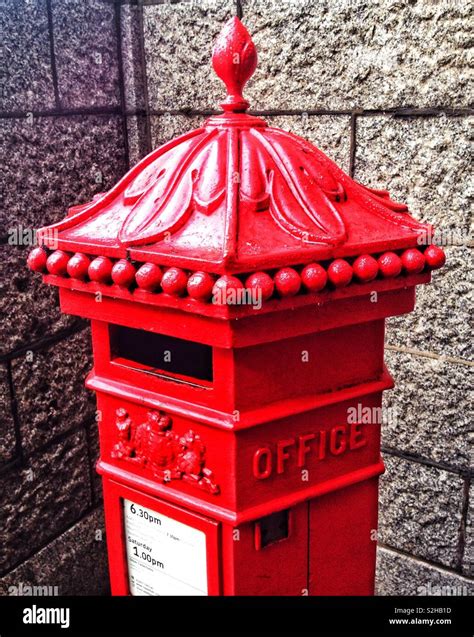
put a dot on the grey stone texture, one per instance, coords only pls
(75, 563)
(468, 557)
(26, 62)
(30, 308)
(178, 45)
(330, 133)
(137, 138)
(429, 412)
(52, 163)
(441, 322)
(93, 443)
(420, 510)
(354, 53)
(399, 574)
(85, 43)
(49, 389)
(7, 431)
(424, 162)
(132, 57)
(167, 126)
(43, 498)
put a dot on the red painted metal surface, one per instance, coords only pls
(277, 284)
(236, 195)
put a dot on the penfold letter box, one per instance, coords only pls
(237, 283)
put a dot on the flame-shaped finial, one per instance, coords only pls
(234, 59)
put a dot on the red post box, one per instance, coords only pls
(237, 283)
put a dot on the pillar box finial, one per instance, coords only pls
(234, 59)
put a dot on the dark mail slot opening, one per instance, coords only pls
(271, 529)
(160, 354)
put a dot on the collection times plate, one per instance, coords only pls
(164, 556)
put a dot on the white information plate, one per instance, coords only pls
(165, 557)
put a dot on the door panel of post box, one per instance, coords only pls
(342, 527)
(296, 454)
(268, 556)
(156, 548)
(171, 450)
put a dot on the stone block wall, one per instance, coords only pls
(382, 88)
(64, 138)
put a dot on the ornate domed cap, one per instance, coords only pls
(236, 195)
